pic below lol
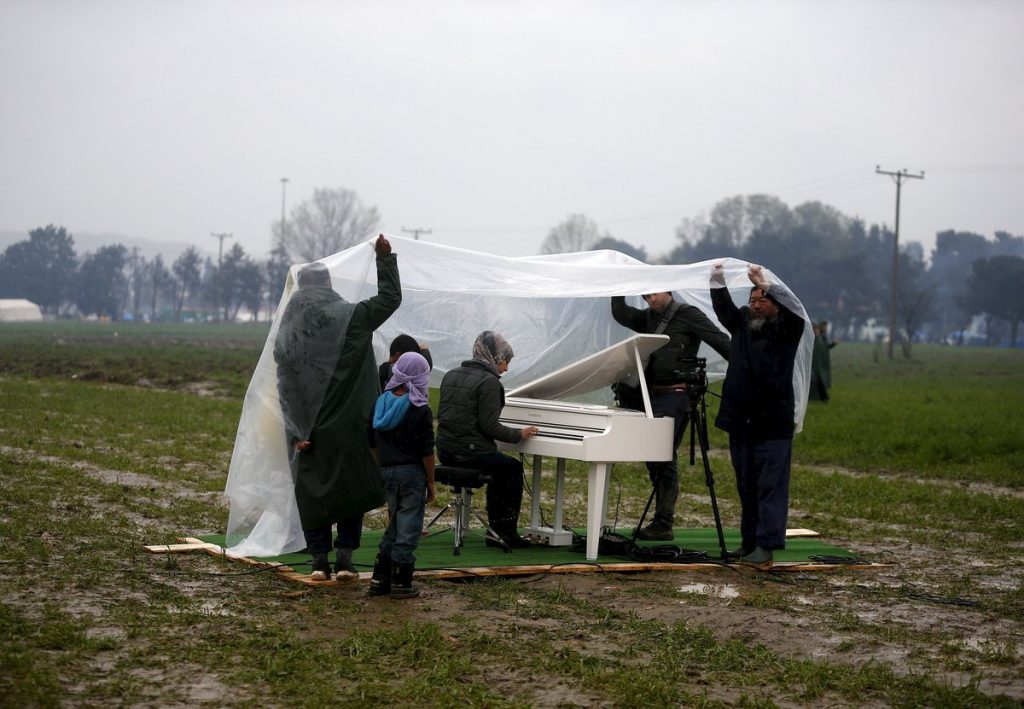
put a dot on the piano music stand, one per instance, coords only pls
(462, 482)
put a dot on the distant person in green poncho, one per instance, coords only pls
(327, 385)
(821, 363)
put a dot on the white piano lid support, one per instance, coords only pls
(624, 360)
(643, 382)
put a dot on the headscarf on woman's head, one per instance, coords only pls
(492, 349)
(412, 370)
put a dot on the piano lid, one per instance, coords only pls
(599, 370)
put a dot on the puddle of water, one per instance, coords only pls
(718, 591)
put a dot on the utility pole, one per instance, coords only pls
(220, 261)
(416, 232)
(280, 237)
(898, 177)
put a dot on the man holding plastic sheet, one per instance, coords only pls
(757, 408)
(327, 385)
(686, 326)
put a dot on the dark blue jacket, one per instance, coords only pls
(757, 396)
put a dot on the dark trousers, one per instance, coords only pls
(762, 480)
(350, 532)
(504, 492)
(664, 475)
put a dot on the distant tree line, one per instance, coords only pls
(118, 283)
(842, 269)
(839, 267)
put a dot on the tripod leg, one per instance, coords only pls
(439, 515)
(699, 421)
(647, 508)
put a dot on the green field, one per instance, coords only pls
(115, 436)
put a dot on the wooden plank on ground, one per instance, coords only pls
(801, 533)
(192, 544)
(181, 548)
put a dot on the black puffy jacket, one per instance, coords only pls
(467, 417)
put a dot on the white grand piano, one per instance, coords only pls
(599, 435)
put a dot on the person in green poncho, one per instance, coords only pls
(821, 363)
(327, 385)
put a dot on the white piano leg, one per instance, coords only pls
(597, 491)
(535, 503)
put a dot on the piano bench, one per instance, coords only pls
(472, 478)
(462, 482)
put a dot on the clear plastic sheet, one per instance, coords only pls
(552, 309)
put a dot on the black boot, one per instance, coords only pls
(401, 581)
(509, 534)
(380, 582)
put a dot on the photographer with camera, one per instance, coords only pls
(666, 374)
(757, 408)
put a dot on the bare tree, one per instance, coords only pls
(188, 276)
(333, 220)
(159, 278)
(577, 233)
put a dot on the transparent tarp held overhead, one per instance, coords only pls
(552, 309)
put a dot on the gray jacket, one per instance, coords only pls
(467, 417)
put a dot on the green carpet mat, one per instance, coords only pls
(435, 551)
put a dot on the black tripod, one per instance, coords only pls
(696, 388)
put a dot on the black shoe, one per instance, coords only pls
(509, 534)
(401, 581)
(759, 559)
(737, 553)
(515, 541)
(656, 532)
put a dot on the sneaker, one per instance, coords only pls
(759, 559)
(401, 582)
(321, 568)
(656, 532)
(345, 571)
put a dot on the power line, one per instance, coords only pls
(898, 177)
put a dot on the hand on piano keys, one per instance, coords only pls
(529, 432)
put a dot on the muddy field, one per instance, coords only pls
(900, 617)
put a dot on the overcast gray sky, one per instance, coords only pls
(490, 122)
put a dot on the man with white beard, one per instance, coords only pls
(757, 407)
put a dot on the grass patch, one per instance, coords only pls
(919, 455)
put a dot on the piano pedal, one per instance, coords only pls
(549, 537)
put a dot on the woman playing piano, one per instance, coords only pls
(472, 397)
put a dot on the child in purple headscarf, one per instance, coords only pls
(402, 441)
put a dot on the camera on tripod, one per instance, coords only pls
(693, 372)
